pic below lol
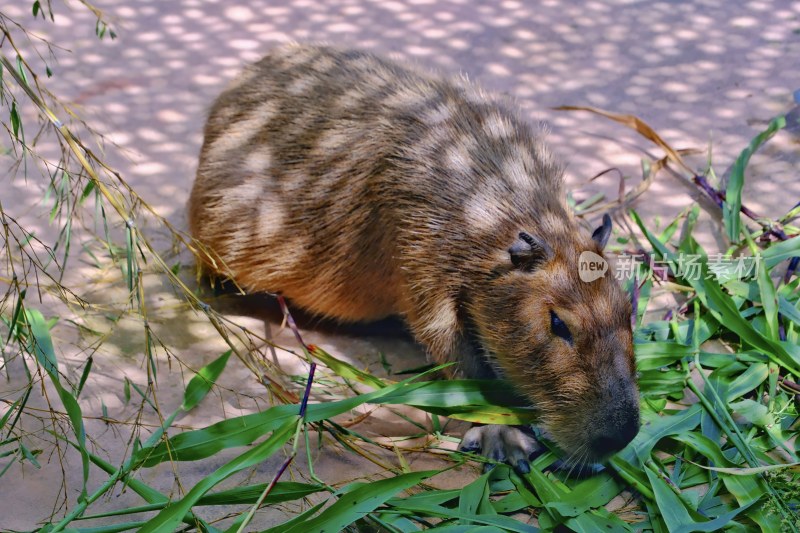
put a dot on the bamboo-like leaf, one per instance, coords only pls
(202, 382)
(172, 515)
(752, 411)
(463, 528)
(437, 396)
(749, 471)
(345, 370)
(15, 121)
(432, 497)
(655, 427)
(45, 354)
(747, 381)
(474, 497)
(588, 494)
(356, 503)
(42, 343)
(87, 369)
(283, 491)
(115, 528)
(652, 355)
(715, 524)
(497, 522)
(600, 520)
(788, 310)
(671, 508)
(781, 251)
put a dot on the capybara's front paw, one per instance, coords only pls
(505, 444)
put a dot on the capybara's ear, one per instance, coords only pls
(529, 251)
(602, 233)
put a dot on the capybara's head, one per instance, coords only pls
(564, 339)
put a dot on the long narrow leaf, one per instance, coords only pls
(733, 195)
(172, 515)
(45, 354)
(356, 503)
(202, 382)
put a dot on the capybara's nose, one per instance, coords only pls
(614, 437)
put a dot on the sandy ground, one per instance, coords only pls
(698, 72)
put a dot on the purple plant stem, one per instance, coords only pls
(275, 479)
(635, 301)
(793, 264)
(719, 196)
(304, 402)
(715, 195)
(291, 322)
(313, 367)
(302, 413)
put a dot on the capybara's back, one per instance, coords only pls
(322, 169)
(360, 188)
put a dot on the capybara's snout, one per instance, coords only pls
(616, 419)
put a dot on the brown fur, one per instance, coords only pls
(360, 188)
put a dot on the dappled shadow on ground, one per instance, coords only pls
(695, 71)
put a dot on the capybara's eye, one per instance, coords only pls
(558, 327)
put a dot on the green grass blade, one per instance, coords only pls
(600, 520)
(87, 369)
(723, 308)
(788, 310)
(672, 508)
(655, 427)
(435, 396)
(345, 370)
(652, 355)
(475, 497)
(769, 300)
(172, 515)
(747, 381)
(588, 494)
(716, 524)
(45, 354)
(792, 467)
(147, 493)
(156, 499)
(733, 194)
(356, 503)
(433, 497)
(42, 345)
(463, 528)
(202, 382)
(283, 491)
(497, 522)
(116, 528)
(781, 251)
(472, 400)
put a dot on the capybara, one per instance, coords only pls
(360, 188)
